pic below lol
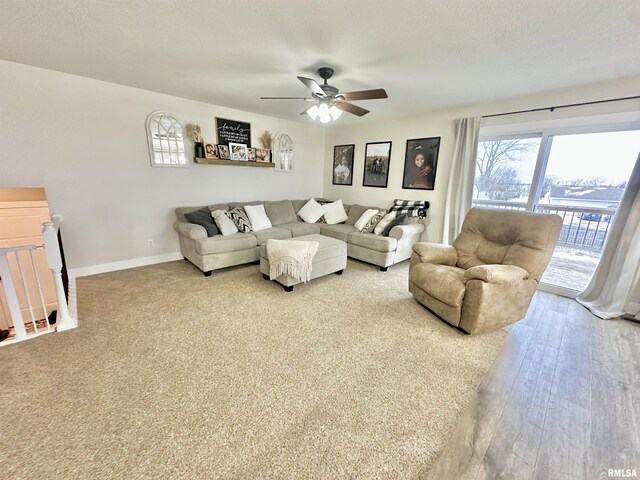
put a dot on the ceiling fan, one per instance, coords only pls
(329, 102)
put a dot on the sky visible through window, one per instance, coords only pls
(609, 155)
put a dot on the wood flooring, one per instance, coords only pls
(561, 401)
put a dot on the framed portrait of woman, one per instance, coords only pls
(343, 164)
(420, 163)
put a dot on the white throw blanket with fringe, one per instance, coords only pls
(291, 257)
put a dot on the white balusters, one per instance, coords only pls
(26, 279)
(54, 260)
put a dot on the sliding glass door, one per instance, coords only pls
(580, 176)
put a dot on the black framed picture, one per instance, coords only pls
(377, 156)
(233, 131)
(343, 164)
(420, 163)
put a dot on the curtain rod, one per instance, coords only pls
(569, 105)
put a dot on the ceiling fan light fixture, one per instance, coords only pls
(335, 113)
(313, 112)
(323, 113)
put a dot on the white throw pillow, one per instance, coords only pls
(334, 213)
(388, 218)
(312, 211)
(364, 219)
(257, 217)
(224, 223)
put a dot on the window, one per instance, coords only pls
(577, 173)
(166, 142)
(504, 171)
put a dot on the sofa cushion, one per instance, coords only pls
(274, 232)
(340, 231)
(365, 218)
(442, 282)
(243, 204)
(203, 218)
(281, 212)
(258, 217)
(334, 213)
(224, 222)
(386, 220)
(373, 242)
(180, 211)
(240, 218)
(355, 212)
(371, 224)
(298, 204)
(301, 228)
(311, 211)
(222, 244)
(399, 220)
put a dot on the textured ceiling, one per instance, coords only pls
(427, 54)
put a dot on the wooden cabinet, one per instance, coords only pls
(22, 213)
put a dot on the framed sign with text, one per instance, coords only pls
(233, 131)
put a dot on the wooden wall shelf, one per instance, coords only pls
(235, 163)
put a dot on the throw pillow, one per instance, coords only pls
(258, 217)
(371, 224)
(388, 218)
(239, 217)
(312, 211)
(399, 220)
(364, 219)
(224, 223)
(334, 213)
(203, 218)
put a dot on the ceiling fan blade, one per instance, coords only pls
(304, 112)
(308, 99)
(351, 108)
(365, 94)
(313, 86)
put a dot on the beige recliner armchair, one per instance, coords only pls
(487, 279)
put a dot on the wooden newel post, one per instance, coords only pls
(54, 261)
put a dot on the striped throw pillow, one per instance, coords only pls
(241, 220)
(371, 224)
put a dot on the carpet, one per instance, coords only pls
(174, 375)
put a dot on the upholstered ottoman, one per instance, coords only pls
(330, 258)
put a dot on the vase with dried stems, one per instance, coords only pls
(195, 134)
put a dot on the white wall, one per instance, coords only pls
(84, 141)
(441, 124)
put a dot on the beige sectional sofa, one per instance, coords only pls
(214, 253)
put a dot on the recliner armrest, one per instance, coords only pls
(403, 231)
(190, 230)
(497, 274)
(437, 253)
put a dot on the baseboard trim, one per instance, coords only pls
(122, 265)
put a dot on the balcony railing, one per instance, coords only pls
(584, 228)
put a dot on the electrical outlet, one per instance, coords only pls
(150, 243)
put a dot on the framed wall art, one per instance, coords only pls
(376, 164)
(210, 150)
(223, 152)
(238, 151)
(233, 131)
(343, 164)
(420, 163)
(263, 155)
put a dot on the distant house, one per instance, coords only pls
(594, 197)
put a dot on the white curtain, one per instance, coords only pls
(460, 189)
(614, 289)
